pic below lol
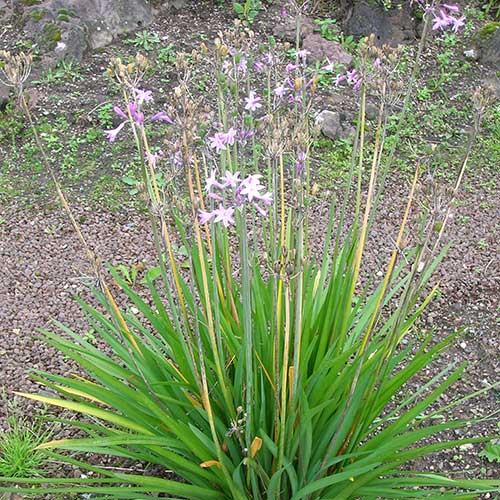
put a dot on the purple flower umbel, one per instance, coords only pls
(237, 192)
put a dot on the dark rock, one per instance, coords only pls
(335, 125)
(4, 96)
(320, 49)
(286, 30)
(393, 27)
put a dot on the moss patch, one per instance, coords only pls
(488, 29)
(51, 34)
(38, 15)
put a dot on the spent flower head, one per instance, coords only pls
(16, 69)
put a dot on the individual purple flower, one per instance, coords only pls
(457, 22)
(143, 95)
(216, 196)
(451, 8)
(260, 210)
(329, 67)
(224, 215)
(111, 134)
(258, 66)
(268, 59)
(283, 11)
(120, 113)
(245, 134)
(352, 76)
(266, 198)
(205, 216)
(154, 157)
(279, 91)
(252, 101)
(162, 116)
(357, 84)
(137, 115)
(291, 67)
(231, 179)
(302, 54)
(212, 181)
(218, 142)
(377, 63)
(339, 79)
(230, 136)
(242, 66)
(301, 162)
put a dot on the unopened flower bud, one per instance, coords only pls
(277, 267)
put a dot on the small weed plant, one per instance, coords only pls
(247, 10)
(19, 453)
(144, 40)
(258, 368)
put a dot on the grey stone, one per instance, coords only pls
(320, 49)
(372, 110)
(471, 54)
(335, 125)
(287, 29)
(489, 44)
(73, 26)
(493, 81)
(393, 26)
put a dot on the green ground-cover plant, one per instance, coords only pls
(258, 369)
(144, 40)
(19, 441)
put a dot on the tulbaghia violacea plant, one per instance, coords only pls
(256, 369)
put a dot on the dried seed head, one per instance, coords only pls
(16, 68)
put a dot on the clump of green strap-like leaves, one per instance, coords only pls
(256, 370)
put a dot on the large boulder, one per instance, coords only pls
(67, 28)
(392, 26)
(286, 30)
(335, 125)
(320, 49)
(488, 42)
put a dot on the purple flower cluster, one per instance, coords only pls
(135, 113)
(234, 192)
(446, 16)
(350, 77)
(220, 140)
